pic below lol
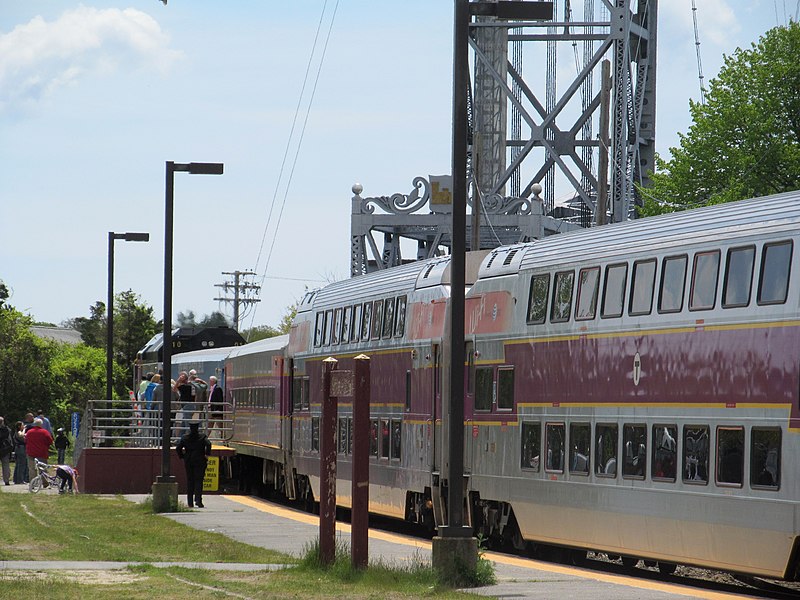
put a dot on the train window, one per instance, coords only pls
(738, 277)
(347, 322)
(326, 340)
(505, 388)
(634, 449)
(765, 458)
(562, 296)
(605, 439)
(269, 401)
(484, 388)
(665, 452)
(366, 321)
(644, 276)
(695, 454)
(319, 327)
(337, 326)
(554, 441)
(730, 456)
(531, 445)
(385, 440)
(400, 320)
(341, 436)
(775, 262)
(377, 319)
(580, 444)
(349, 435)
(397, 438)
(588, 285)
(355, 330)
(388, 318)
(408, 390)
(469, 350)
(306, 398)
(614, 290)
(673, 284)
(537, 300)
(374, 429)
(704, 281)
(315, 434)
(297, 393)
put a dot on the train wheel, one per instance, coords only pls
(629, 562)
(666, 568)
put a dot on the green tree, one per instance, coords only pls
(93, 327)
(260, 332)
(134, 325)
(78, 374)
(745, 141)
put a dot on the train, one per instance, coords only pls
(631, 389)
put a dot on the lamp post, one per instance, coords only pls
(193, 169)
(112, 237)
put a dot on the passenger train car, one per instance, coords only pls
(630, 389)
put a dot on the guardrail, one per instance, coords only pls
(131, 424)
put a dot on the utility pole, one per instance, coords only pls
(243, 292)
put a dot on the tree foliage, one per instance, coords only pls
(745, 141)
(189, 319)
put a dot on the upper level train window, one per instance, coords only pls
(634, 451)
(366, 321)
(319, 328)
(315, 434)
(642, 281)
(374, 436)
(385, 439)
(554, 442)
(765, 458)
(484, 388)
(531, 445)
(397, 438)
(695, 454)
(775, 262)
(614, 290)
(588, 285)
(673, 282)
(562, 297)
(337, 326)
(341, 437)
(665, 452)
(580, 443)
(605, 440)
(738, 277)
(388, 318)
(730, 455)
(400, 321)
(704, 281)
(347, 323)
(537, 300)
(377, 319)
(326, 341)
(505, 388)
(355, 331)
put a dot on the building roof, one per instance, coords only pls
(58, 334)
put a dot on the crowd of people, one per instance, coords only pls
(29, 440)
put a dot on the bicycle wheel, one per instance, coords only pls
(35, 484)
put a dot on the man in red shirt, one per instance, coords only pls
(37, 444)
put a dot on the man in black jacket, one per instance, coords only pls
(216, 399)
(194, 449)
(6, 446)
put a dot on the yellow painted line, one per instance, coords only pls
(655, 404)
(526, 563)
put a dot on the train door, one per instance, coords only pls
(469, 401)
(436, 387)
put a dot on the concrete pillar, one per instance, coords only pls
(455, 558)
(165, 497)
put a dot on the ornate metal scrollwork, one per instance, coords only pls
(495, 204)
(399, 204)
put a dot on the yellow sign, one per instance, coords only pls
(211, 477)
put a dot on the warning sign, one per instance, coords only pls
(211, 477)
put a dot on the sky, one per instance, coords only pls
(96, 96)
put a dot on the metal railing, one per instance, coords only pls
(130, 424)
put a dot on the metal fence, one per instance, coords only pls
(130, 424)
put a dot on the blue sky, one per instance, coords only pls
(95, 96)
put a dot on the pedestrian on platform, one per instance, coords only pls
(194, 449)
(27, 421)
(20, 456)
(61, 443)
(6, 448)
(37, 441)
(216, 398)
(45, 421)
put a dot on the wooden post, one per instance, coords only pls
(327, 467)
(359, 533)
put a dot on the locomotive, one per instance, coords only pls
(630, 389)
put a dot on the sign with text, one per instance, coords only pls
(211, 477)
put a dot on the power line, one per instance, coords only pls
(243, 293)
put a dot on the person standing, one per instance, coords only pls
(216, 398)
(38, 441)
(6, 447)
(45, 421)
(61, 444)
(193, 449)
(20, 456)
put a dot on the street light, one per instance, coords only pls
(128, 237)
(192, 169)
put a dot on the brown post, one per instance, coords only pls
(327, 467)
(359, 533)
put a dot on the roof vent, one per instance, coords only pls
(428, 271)
(491, 260)
(510, 257)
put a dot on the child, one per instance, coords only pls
(61, 443)
(67, 475)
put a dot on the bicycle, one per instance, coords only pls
(43, 478)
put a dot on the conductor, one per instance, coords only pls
(193, 449)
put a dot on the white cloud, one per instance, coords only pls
(39, 57)
(716, 19)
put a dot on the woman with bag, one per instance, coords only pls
(20, 456)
